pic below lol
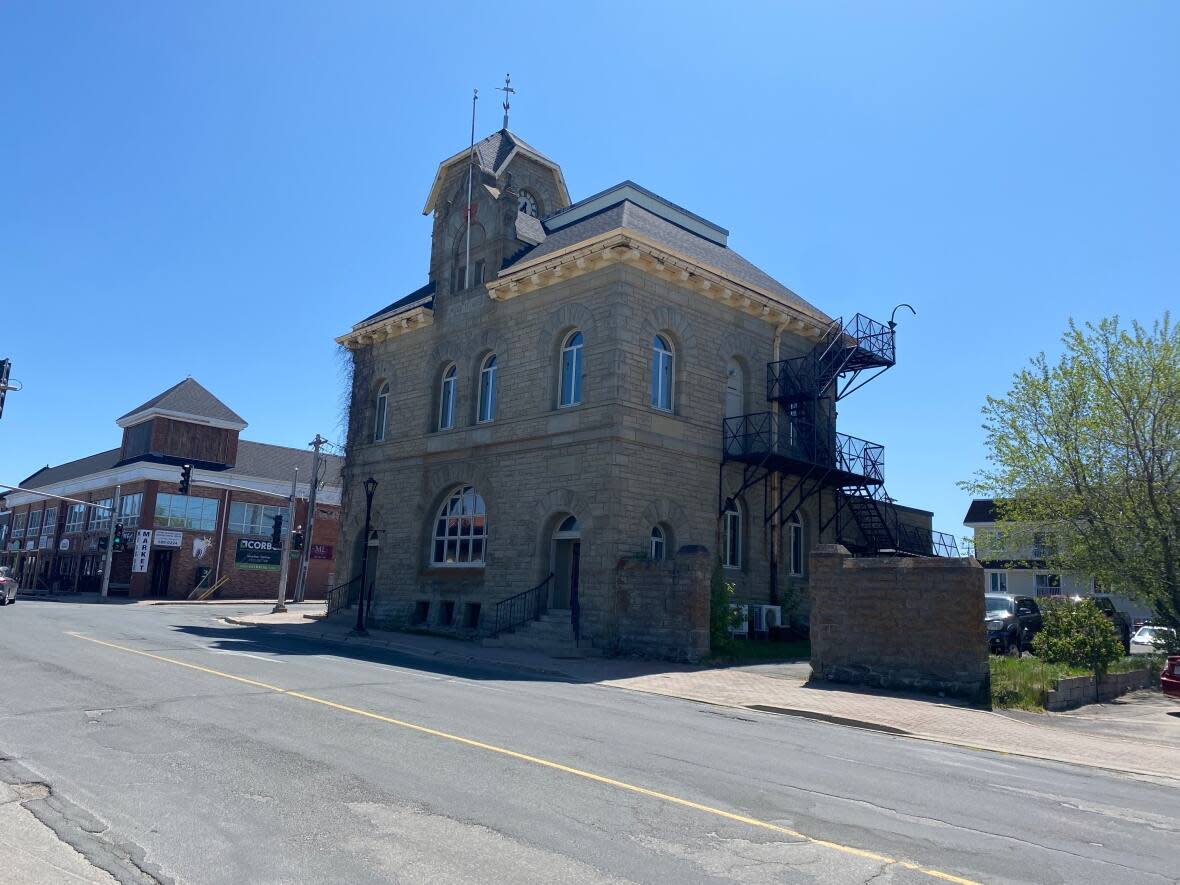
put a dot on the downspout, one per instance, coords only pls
(775, 478)
(221, 536)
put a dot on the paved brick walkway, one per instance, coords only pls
(784, 688)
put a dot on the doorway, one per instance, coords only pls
(565, 562)
(161, 568)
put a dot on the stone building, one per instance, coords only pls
(220, 529)
(580, 386)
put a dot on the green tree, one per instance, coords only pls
(1078, 635)
(722, 618)
(1089, 450)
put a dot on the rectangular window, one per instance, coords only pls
(34, 523)
(1042, 546)
(255, 519)
(1048, 585)
(18, 526)
(796, 548)
(185, 512)
(100, 514)
(997, 582)
(75, 518)
(129, 509)
(49, 525)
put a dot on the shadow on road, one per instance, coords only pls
(262, 640)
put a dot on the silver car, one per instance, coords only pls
(7, 585)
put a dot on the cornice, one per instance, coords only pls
(391, 327)
(626, 246)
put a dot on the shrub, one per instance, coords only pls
(1079, 635)
(722, 619)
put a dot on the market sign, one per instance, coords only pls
(257, 554)
(168, 539)
(142, 550)
(321, 551)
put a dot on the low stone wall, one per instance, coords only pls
(1077, 691)
(907, 623)
(663, 605)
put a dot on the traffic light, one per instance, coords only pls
(186, 478)
(102, 543)
(276, 539)
(5, 368)
(117, 539)
(297, 538)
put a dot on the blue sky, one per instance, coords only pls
(219, 189)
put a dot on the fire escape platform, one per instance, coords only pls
(789, 448)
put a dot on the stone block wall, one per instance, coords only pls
(1077, 691)
(663, 605)
(908, 623)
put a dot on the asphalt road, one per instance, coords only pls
(218, 754)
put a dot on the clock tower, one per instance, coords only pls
(513, 186)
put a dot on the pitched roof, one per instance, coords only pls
(981, 510)
(186, 398)
(643, 221)
(418, 296)
(261, 460)
(492, 155)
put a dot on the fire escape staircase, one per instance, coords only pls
(796, 439)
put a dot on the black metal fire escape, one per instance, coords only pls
(797, 439)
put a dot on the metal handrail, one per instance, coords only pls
(341, 597)
(754, 435)
(523, 607)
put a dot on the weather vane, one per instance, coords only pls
(507, 90)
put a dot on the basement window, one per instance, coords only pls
(471, 615)
(446, 613)
(421, 611)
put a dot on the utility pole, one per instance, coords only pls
(281, 602)
(110, 558)
(305, 553)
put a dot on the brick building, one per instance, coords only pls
(213, 532)
(594, 390)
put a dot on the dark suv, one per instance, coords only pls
(1012, 622)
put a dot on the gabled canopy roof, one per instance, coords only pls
(189, 401)
(981, 510)
(492, 154)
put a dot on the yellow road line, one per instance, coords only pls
(545, 763)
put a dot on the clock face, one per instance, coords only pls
(528, 203)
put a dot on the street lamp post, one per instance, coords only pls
(370, 488)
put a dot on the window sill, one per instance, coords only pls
(453, 572)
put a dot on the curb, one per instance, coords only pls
(403, 649)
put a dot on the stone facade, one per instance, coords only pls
(663, 605)
(616, 463)
(898, 622)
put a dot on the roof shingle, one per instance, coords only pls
(190, 398)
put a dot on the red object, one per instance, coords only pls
(471, 211)
(1170, 677)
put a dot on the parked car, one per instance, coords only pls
(1012, 622)
(1143, 641)
(1170, 677)
(1122, 624)
(7, 585)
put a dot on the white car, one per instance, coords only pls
(7, 585)
(1143, 642)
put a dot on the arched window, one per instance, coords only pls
(661, 373)
(658, 547)
(461, 529)
(571, 370)
(382, 413)
(487, 389)
(795, 543)
(735, 385)
(731, 535)
(446, 399)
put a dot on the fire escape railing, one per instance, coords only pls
(756, 437)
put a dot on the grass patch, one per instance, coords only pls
(1024, 683)
(745, 651)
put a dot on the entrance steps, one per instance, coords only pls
(552, 634)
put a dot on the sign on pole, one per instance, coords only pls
(143, 549)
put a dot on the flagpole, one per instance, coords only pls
(470, 172)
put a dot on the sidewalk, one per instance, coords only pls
(783, 688)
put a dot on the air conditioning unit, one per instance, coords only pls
(742, 618)
(766, 616)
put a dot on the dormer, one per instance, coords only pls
(185, 423)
